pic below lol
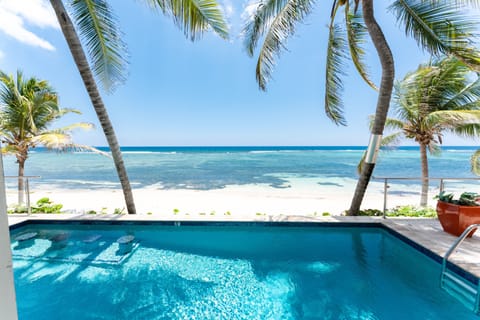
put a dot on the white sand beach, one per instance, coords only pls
(236, 201)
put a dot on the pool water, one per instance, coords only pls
(224, 272)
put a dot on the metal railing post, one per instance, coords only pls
(385, 187)
(441, 184)
(27, 191)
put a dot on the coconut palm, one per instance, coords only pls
(441, 96)
(438, 26)
(101, 36)
(28, 109)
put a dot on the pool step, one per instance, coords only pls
(463, 290)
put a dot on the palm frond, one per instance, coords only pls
(452, 118)
(74, 126)
(335, 66)
(471, 130)
(468, 98)
(393, 124)
(440, 27)
(62, 142)
(475, 163)
(276, 19)
(434, 149)
(356, 32)
(101, 35)
(194, 17)
(391, 141)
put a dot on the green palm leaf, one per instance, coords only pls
(278, 19)
(336, 55)
(194, 17)
(440, 27)
(62, 142)
(101, 35)
(356, 32)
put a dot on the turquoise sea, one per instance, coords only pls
(206, 168)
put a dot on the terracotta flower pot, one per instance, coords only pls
(455, 218)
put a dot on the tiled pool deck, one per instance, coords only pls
(427, 233)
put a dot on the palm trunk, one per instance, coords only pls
(21, 185)
(86, 73)
(383, 102)
(424, 161)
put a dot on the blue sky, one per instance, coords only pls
(203, 93)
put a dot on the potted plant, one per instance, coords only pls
(456, 215)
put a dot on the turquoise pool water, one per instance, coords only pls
(224, 272)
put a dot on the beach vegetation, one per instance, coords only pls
(99, 32)
(370, 212)
(91, 212)
(412, 211)
(119, 211)
(43, 205)
(176, 211)
(29, 108)
(402, 211)
(325, 214)
(425, 21)
(440, 96)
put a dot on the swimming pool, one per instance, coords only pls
(219, 271)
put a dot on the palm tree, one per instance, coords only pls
(438, 97)
(101, 36)
(438, 26)
(28, 109)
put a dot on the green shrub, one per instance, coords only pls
(45, 205)
(370, 212)
(412, 211)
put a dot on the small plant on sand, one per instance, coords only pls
(18, 209)
(176, 211)
(119, 211)
(149, 213)
(212, 213)
(91, 212)
(228, 213)
(103, 210)
(326, 214)
(45, 205)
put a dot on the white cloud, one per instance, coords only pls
(14, 14)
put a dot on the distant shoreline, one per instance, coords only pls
(262, 148)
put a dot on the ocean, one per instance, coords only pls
(207, 168)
